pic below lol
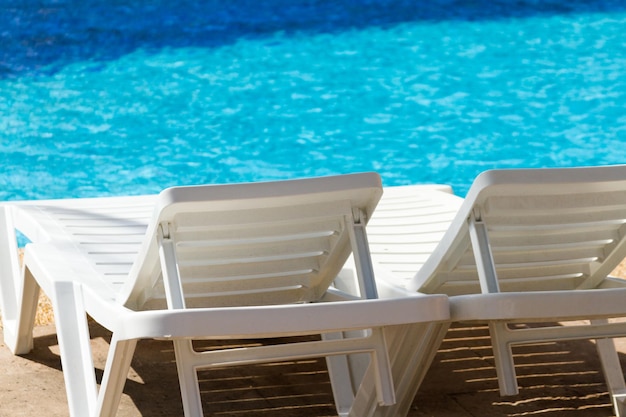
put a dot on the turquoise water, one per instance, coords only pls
(105, 98)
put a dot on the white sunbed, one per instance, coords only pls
(219, 262)
(533, 245)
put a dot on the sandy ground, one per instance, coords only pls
(556, 379)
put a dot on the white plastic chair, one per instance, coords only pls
(532, 245)
(219, 262)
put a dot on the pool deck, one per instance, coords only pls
(556, 379)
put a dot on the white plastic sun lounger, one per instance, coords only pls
(232, 261)
(532, 245)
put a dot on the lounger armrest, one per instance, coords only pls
(539, 305)
(284, 320)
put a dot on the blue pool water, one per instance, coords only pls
(105, 97)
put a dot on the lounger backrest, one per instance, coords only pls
(541, 229)
(255, 243)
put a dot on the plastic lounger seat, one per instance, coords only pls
(531, 245)
(208, 262)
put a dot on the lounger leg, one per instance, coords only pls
(612, 372)
(76, 357)
(411, 350)
(115, 375)
(347, 371)
(343, 371)
(503, 358)
(19, 328)
(188, 378)
(18, 293)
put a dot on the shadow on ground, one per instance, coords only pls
(555, 378)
